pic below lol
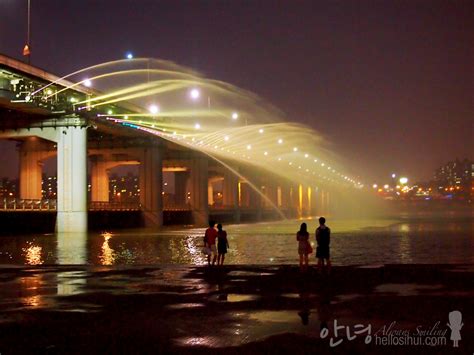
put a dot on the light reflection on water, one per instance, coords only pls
(33, 254)
(361, 242)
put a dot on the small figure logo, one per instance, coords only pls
(455, 324)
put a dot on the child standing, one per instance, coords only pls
(222, 244)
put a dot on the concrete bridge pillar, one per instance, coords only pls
(199, 191)
(72, 180)
(32, 153)
(271, 194)
(314, 201)
(255, 199)
(285, 198)
(180, 183)
(304, 201)
(296, 198)
(244, 194)
(328, 203)
(323, 206)
(231, 193)
(99, 180)
(210, 193)
(151, 185)
(100, 166)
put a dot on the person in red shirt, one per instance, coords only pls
(210, 242)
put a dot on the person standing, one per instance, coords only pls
(323, 238)
(210, 242)
(222, 244)
(304, 248)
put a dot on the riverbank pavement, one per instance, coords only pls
(236, 309)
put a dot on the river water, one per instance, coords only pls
(353, 242)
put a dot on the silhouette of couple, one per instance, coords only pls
(213, 252)
(323, 239)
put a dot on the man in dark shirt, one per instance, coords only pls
(323, 238)
(210, 242)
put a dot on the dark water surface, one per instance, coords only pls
(358, 242)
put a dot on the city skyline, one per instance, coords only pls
(400, 102)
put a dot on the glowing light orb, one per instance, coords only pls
(154, 109)
(197, 126)
(129, 55)
(235, 115)
(403, 180)
(87, 83)
(194, 94)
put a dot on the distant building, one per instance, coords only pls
(124, 188)
(455, 179)
(8, 188)
(49, 187)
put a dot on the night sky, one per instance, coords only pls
(388, 83)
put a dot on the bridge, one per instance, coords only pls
(88, 143)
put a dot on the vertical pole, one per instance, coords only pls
(199, 191)
(31, 169)
(231, 194)
(99, 181)
(72, 180)
(151, 186)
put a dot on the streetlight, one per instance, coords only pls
(154, 109)
(129, 55)
(235, 115)
(403, 180)
(194, 94)
(27, 47)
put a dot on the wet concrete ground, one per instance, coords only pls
(234, 309)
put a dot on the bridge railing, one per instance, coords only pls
(114, 206)
(18, 204)
(176, 207)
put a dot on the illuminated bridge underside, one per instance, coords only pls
(227, 172)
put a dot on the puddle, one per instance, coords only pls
(234, 297)
(249, 273)
(406, 289)
(211, 342)
(346, 298)
(185, 305)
